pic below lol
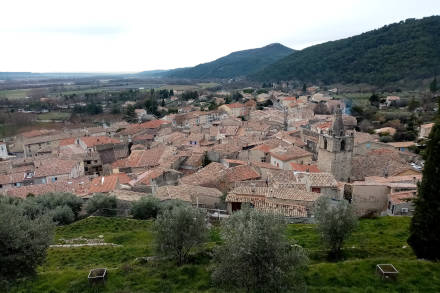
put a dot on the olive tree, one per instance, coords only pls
(145, 208)
(335, 222)
(256, 255)
(106, 204)
(178, 230)
(23, 242)
(63, 207)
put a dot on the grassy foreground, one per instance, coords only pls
(376, 241)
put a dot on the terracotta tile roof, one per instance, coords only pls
(78, 186)
(195, 160)
(362, 137)
(141, 158)
(185, 192)
(104, 184)
(143, 137)
(123, 178)
(304, 168)
(54, 166)
(206, 176)
(402, 197)
(377, 163)
(264, 148)
(284, 176)
(154, 123)
(291, 153)
(240, 173)
(322, 180)
(271, 192)
(12, 178)
(325, 125)
(238, 162)
(395, 179)
(147, 176)
(91, 141)
(67, 141)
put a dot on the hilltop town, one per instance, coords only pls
(273, 149)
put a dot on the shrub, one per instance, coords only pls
(145, 208)
(104, 203)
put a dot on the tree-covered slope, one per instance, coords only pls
(240, 63)
(406, 50)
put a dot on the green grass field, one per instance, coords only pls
(376, 241)
(14, 94)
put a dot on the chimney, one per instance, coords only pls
(102, 180)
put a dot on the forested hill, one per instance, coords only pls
(407, 50)
(236, 64)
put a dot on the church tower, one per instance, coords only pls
(335, 150)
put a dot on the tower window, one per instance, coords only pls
(343, 145)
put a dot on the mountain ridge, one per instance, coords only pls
(236, 64)
(408, 49)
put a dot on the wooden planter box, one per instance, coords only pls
(387, 271)
(97, 276)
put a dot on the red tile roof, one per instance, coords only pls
(67, 141)
(141, 158)
(154, 123)
(240, 173)
(104, 184)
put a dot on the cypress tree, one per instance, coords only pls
(425, 231)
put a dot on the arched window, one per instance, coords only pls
(343, 145)
(325, 143)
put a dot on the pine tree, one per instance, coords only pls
(425, 231)
(433, 85)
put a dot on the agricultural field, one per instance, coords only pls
(14, 94)
(54, 116)
(376, 241)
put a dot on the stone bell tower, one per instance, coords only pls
(335, 150)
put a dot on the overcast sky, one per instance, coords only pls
(130, 36)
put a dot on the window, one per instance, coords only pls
(325, 143)
(343, 145)
(54, 179)
(316, 189)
